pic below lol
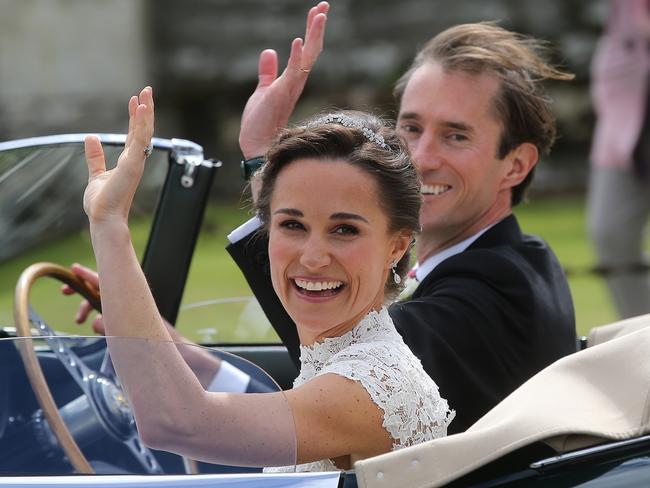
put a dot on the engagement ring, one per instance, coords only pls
(148, 150)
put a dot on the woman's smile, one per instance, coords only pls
(317, 289)
(329, 245)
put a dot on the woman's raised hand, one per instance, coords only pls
(270, 106)
(109, 194)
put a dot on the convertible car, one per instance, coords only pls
(64, 418)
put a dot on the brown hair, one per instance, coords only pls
(364, 141)
(517, 62)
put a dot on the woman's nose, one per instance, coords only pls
(315, 254)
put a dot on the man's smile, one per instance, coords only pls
(434, 189)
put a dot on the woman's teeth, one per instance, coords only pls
(434, 189)
(318, 285)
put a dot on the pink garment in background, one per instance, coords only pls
(619, 83)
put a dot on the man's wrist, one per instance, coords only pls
(229, 379)
(248, 167)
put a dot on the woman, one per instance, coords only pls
(340, 200)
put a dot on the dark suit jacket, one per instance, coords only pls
(482, 322)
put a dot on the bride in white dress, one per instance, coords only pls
(340, 202)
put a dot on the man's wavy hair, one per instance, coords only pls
(518, 63)
(387, 163)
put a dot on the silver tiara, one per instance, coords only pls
(347, 121)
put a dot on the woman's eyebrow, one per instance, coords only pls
(289, 211)
(347, 216)
(335, 216)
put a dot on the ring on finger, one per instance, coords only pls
(148, 149)
(304, 70)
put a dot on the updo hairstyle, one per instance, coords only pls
(364, 141)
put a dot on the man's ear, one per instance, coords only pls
(521, 161)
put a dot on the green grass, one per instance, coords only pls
(213, 274)
(56, 309)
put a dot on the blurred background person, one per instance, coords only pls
(619, 186)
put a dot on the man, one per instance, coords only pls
(493, 306)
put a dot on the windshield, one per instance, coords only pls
(42, 181)
(208, 430)
(41, 190)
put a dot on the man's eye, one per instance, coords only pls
(346, 230)
(408, 128)
(457, 137)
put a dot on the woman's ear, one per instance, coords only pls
(521, 161)
(401, 244)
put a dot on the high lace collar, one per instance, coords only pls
(376, 325)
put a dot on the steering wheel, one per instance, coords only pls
(103, 401)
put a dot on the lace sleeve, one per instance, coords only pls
(397, 384)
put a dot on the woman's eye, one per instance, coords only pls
(291, 225)
(346, 230)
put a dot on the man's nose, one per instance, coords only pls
(315, 254)
(426, 153)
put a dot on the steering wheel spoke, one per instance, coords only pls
(144, 455)
(107, 369)
(81, 373)
(102, 391)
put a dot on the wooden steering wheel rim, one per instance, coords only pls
(33, 367)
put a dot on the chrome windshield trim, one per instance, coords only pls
(112, 139)
(188, 153)
(182, 147)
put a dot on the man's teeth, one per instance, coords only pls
(434, 189)
(318, 285)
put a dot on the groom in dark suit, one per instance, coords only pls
(493, 306)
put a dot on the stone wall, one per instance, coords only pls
(206, 61)
(70, 65)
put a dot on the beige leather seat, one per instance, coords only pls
(605, 333)
(581, 400)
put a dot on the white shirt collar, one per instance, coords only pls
(424, 268)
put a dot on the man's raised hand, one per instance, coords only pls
(271, 105)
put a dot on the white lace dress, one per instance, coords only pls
(374, 354)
